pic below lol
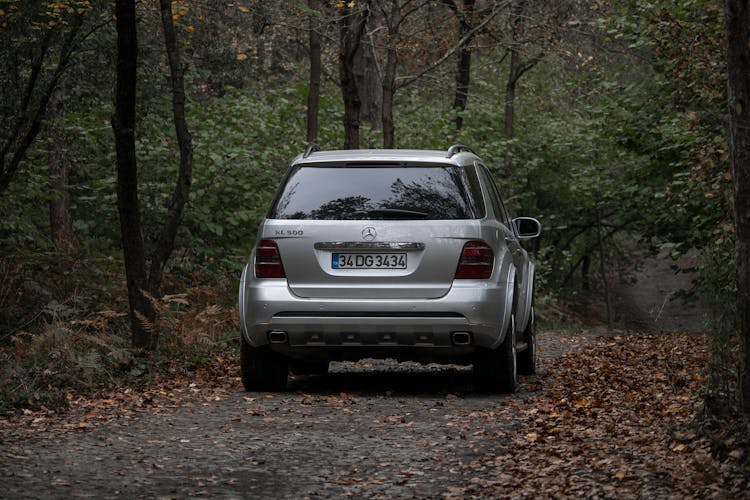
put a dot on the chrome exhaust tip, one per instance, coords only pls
(461, 338)
(278, 337)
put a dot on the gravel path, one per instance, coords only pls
(372, 429)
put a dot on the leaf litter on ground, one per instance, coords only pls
(616, 419)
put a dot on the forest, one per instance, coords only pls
(142, 142)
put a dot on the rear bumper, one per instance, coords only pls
(356, 328)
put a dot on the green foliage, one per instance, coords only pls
(685, 39)
(242, 145)
(717, 283)
(238, 162)
(628, 143)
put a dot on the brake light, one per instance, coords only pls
(476, 262)
(268, 260)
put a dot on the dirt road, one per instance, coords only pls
(381, 430)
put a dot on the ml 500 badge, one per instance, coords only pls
(289, 232)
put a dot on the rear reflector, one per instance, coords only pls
(268, 260)
(477, 261)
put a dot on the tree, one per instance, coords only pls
(351, 29)
(142, 311)
(165, 244)
(737, 19)
(33, 64)
(61, 226)
(385, 49)
(465, 15)
(393, 18)
(396, 14)
(313, 95)
(516, 70)
(142, 287)
(368, 68)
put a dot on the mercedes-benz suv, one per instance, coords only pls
(405, 254)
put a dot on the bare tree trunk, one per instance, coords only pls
(165, 244)
(61, 226)
(510, 98)
(389, 129)
(463, 73)
(389, 77)
(259, 25)
(737, 19)
(465, 16)
(392, 21)
(352, 26)
(585, 266)
(515, 72)
(603, 270)
(367, 68)
(142, 312)
(313, 95)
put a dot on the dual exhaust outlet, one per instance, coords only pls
(282, 337)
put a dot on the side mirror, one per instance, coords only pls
(527, 227)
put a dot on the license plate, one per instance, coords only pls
(368, 260)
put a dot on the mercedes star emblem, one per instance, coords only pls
(369, 233)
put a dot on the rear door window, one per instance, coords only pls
(497, 203)
(374, 192)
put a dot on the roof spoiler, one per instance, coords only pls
(310, 149)
(458, 148)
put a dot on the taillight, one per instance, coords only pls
(476, 261)
(268, 260)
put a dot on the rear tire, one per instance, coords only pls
(262, 369)
(495, 369)
(527, 358)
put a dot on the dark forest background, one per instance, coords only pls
(605, 120)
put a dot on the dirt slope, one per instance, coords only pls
(652, 302)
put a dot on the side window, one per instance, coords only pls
(497, 202)
(475, 189)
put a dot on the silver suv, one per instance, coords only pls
(404, 254)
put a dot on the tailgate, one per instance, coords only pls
(370, 259)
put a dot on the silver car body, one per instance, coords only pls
(419, 312)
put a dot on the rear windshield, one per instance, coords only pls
(379, 193)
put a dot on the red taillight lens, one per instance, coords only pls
(268, 260)
(476, 261)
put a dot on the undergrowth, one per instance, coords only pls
(722, 420)
(64, 329)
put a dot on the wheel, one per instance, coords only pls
(262, 369)
(527, 357)
(495, 369)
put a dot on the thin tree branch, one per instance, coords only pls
(7, 171)
(408, 80)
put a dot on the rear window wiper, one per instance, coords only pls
(394, 213)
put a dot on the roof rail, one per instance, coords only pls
(458, 148)
(310, 149)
